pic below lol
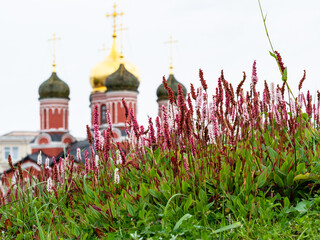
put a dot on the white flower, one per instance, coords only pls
(79, 154)
(39, 162)
(49, 184)
(101, 141)
(116, 176)
(119, 159)
(47, 163)
(97, 160)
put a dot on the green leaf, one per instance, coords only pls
(249, 183)
(185, 217)
(39, 226)
(301, 168)
(143, 191)
(285, 75)
(166, 208)
(87, 190)
(131, 209)
(303, 206)
(272, 54)
(166, 190)
(20, 236)
(156, 154)
(307, 176)
(278, 181)
(154, 193)
(203, 196)
(185, 187)
(262, 178)
(188, 202)
(290, 178)
(273, 154)
(228, 227)
(286, 202)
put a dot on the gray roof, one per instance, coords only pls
(83, 145)
(54, 137)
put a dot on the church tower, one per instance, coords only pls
(162, 94)
(111, 80)
(54, 111)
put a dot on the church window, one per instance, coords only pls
(45, 119)
(15, 153)
(103, 114)
(6, 152)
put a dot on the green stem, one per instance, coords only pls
(273, 51)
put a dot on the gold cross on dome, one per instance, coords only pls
(54, 39)
(121, 29)
(114, 16)
(171, 42)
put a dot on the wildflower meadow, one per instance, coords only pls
(238, 164)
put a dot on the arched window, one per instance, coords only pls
(44, 119)
(103, 114)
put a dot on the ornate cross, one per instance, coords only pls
(54, 39)
(171, 42)
(114, 15)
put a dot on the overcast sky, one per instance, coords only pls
(212, 35)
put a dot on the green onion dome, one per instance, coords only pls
(122, 79)
(172, 82)
(54, 87)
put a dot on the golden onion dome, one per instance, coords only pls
(109, 65)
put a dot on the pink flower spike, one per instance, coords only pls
(86, 157)
(96, 136)
(254, 77)
(109, 119)
(134, 123)
(61, 165)
(96, 115)
(152, 138)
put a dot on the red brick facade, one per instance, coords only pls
(54, 114)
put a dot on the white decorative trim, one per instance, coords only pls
(52, 130)
(42, 135)
(67, 136)
(51, 145)
(121, 94)
(117, 131)
(120, 124)
(54, 100)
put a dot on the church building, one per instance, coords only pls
(112, 80)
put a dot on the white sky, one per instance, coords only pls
(212, 35)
